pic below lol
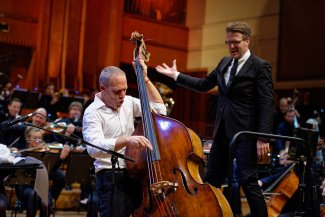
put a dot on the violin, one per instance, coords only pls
(60, 128)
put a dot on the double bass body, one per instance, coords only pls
(180, 191)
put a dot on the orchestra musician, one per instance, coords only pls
(26, 193)
(73, 122)
(13, 107)
(49, 100)
(18, 132)
(109, 123)
(246, 99)
(74, 126)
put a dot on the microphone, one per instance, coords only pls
(21, 119)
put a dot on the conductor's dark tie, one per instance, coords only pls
(232, 72)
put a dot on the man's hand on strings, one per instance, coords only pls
(139, 142)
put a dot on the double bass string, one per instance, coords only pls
(154, 177)
(154, 169)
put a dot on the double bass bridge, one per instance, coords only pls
(163, 188)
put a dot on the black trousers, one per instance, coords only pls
(117, 199)
(245, 153)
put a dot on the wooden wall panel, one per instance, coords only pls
(20, 32)
(26, 10)
(102, 38)
(165, 41)
(56, 39)
(71, 45)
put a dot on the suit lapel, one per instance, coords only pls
(223, 68)
(246, 65)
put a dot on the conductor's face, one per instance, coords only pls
(236, 44)
(114, 92)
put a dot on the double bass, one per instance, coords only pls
(169, 174)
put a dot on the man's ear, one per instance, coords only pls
(101, 87)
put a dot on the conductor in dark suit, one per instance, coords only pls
(245, 89)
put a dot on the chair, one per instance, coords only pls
(20, 206)
(80, 170)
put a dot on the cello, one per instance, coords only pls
(169, 174)
(286, 186)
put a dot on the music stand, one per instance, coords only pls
(79, 168)
(65, 101)
(28, 98)
(48, 159)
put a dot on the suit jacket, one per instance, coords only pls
(247, 104)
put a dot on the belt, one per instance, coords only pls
(111, 170)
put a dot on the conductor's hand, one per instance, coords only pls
(139, 141)
(166, 70)
(262, 149)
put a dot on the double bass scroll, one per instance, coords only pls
(169, 174)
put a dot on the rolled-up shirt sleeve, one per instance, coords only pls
(159, 108)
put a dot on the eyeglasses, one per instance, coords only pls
(35, 140)
(234, 42)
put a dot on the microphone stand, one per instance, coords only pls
(79, 141)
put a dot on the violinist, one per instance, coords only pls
(18, 132)
(15, 135)
(109, 123)
(74, 121)
(74, 126)
(26, 193)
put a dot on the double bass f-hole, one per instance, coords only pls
(169, 173)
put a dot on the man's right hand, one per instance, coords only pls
(169, 71)
(139, 141)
